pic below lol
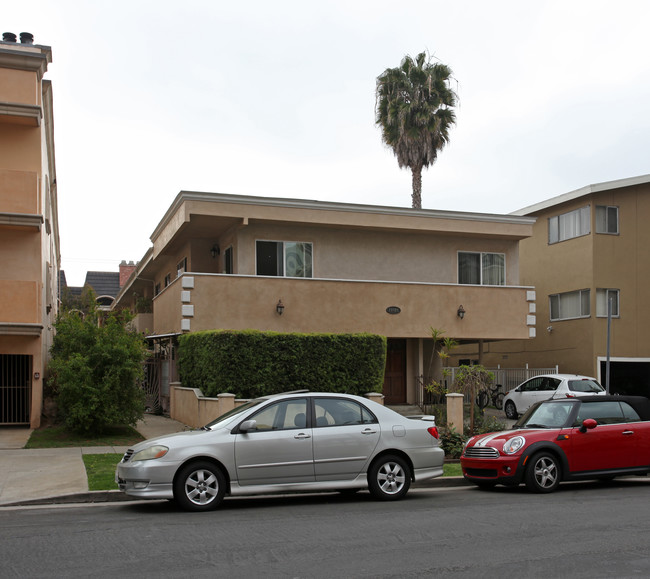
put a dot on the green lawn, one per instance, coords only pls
(59, 436)
(100, 469)
(452, 469)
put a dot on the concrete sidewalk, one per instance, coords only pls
(59, 473)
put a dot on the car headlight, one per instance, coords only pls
(156, 451)
(514, 444)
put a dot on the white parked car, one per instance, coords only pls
(545, 387)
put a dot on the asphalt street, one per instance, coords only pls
(584, 530)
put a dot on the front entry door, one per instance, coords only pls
(395, 376)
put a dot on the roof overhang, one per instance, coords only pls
(9, 329)
(588, 190)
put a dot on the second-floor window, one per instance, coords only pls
(228, 266)
(284, 258)
(481, 268)
(168, 279)
(606, 219)
(570, 305)
(569, 225)
(181, 268)
(603, 297)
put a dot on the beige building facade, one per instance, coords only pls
(235, 262)
(29, 234)
(589, 247)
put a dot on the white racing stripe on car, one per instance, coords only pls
(491, 437)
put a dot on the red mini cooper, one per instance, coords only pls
(590, 437)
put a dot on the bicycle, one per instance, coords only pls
(491, 393)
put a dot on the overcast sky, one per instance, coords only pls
(277, 99)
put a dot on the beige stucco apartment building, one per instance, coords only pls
(235, 262)
(588, 246)
(29, 235)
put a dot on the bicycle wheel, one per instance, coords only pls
(482, 399)
(498, 400)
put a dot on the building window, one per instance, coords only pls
(569, 225)
(481, 268)
(284, 258)
(168, 279)
(607, 219)
(570, 305)
(602, 298)
(181, 268)
(156, 289)
(228, 261)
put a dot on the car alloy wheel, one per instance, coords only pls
(511, 410)
(543, 474)
(389, 478)
(199, 486)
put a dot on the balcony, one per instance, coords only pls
(197, 302)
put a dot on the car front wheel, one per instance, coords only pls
(511, 410)
(389, 478)
(199, 486)
(543, 474)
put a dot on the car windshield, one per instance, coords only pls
(585, 386)
(546, 415)
(218, 422)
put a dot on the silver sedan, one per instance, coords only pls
(292, 442)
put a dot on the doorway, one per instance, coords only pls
(395, 376)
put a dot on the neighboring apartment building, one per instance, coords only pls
(235, 262)
(105, 284)
(589, 246)
(29, 231)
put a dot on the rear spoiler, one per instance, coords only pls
(425, 417)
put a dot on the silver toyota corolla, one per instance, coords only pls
(300, 441)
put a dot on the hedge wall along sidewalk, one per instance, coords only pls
(252, 363)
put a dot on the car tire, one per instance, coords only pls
(199, 486)
(389, 478)
(543, 473)
(510, 410)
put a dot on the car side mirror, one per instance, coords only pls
(588, 424)
(248, 425)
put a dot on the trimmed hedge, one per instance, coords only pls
(251, 363)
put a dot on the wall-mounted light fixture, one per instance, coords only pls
(215, 251)
(549, 329)
(461, 312)
(279, 307)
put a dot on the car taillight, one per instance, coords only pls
(433, 431)
(570, 395)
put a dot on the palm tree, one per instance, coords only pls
(414, 106)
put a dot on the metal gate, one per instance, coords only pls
(15, 388)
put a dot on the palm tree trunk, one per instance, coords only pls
(417, 187)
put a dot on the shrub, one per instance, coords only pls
(95, 372)
(452, 442)
(252, 363)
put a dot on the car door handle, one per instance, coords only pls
(368, 431)
(302, 436)
(628, 432)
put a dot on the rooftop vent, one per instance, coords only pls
(26, 38)
(8, 37)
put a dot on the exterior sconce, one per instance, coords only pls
(279, 307)
(461, 312)
(215, 251)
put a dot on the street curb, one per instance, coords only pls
(116, 496)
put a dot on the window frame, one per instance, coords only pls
(482, 267)
(229, 260)
(309, 267)
(616, 309)
(584, 298)
(555, 225)
(181, 267)
(606, 210)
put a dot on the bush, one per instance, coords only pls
(95, 372)
(251, 363)
(452, 442)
